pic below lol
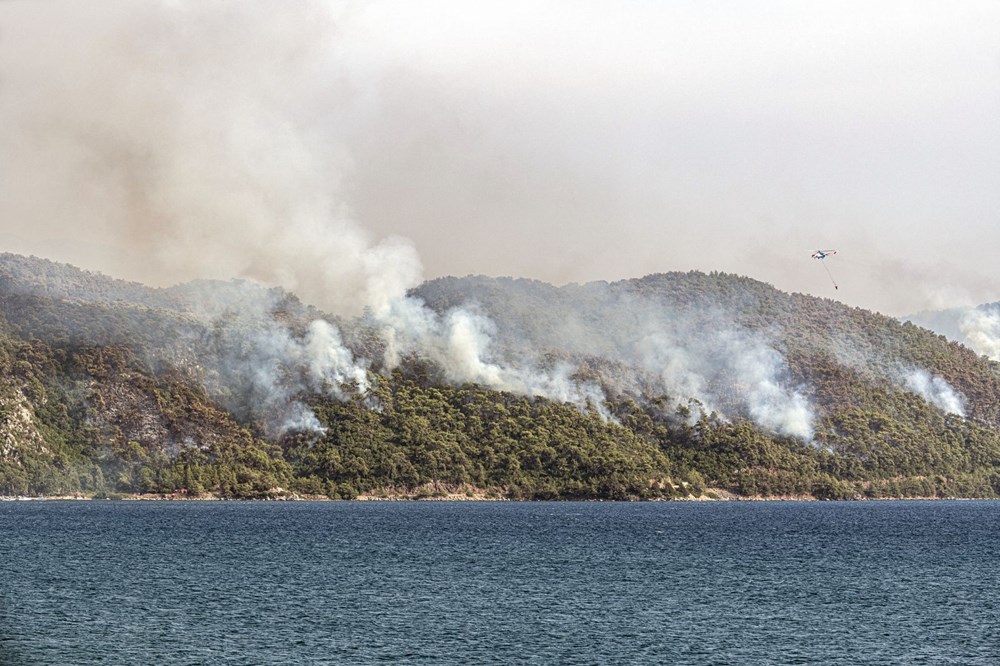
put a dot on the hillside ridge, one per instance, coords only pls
(656, 387)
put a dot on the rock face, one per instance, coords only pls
(123, 412)
(18, 427)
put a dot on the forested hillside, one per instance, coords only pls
(668, 386)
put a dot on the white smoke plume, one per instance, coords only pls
(730, 370)
(165, 141)
(467, 339)
(260, 364)
(981, 328)
(770, 403)
(459, 343)
(935, 390)
(638, 344)
(283, 366)
(207, 140)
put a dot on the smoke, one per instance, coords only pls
(770, 403)
(732, 371)
(281, 367)
(261, 352)
(177, 140)
(208, 140)
(467, 346)
(658, 353)
(459, 343)
(981, 328)
(870, 362)
(935, 390)
(167, 141)
(627, 339)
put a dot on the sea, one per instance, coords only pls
(187, 582)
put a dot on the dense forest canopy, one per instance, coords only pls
(672, 385)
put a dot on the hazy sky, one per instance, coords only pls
(565, 141)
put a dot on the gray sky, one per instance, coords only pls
(565, 141)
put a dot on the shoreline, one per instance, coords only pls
(455, 498)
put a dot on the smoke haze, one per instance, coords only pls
(320, 145)
(168, 141)
(562, 141)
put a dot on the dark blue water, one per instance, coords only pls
(461, 583)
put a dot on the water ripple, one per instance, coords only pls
(414, 583)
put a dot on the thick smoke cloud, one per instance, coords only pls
(725, 368)
(180, 140)
(170, 141)
(630, 339)
(208, 140)
(459, 342)
(270, 368)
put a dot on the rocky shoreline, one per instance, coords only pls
(712, 495)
